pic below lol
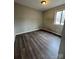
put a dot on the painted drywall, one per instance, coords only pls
(48, 20)
(61, 54)
(26, 19)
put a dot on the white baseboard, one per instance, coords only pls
(26, 32)
(36, 30)
(51, 31)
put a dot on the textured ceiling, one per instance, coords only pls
(37, 5)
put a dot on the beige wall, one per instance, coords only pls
(26, 19)
(48, 20)
(61, 54)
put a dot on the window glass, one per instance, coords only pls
(58, 17)
(63, 18)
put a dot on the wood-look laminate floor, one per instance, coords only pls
(36, 45)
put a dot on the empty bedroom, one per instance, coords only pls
(39, 27)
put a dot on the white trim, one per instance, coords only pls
(26, 32)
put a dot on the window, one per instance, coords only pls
(60, 17)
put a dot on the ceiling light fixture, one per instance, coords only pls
(43, 2)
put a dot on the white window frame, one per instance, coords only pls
(55, 17)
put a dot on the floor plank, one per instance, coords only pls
(36, 45)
